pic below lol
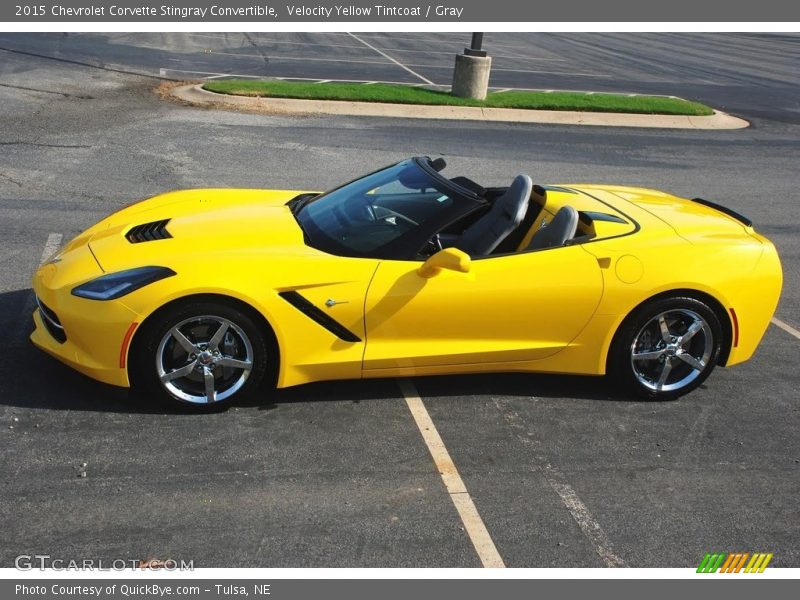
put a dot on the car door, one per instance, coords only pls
(507, 308)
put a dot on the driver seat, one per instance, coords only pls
(506, 213)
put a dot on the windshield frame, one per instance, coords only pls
(407, 245)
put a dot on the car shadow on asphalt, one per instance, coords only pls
(29, 378)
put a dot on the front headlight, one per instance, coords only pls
(115, 285)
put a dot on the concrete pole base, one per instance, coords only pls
(471, 76)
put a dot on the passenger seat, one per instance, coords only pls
(561, 229)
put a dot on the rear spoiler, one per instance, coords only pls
(724, 209)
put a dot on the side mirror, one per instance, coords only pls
(451, 259)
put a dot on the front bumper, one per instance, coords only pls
(93, 346)
(93, 336)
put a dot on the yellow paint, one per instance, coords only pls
(552, 310)
(629, 269)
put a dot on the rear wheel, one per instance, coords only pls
(201, 355)
(666, 348)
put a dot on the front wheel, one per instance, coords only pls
(666, 348)
(201, 355)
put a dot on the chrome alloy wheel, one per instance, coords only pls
(672, 350)
(204, 359)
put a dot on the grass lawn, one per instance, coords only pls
(401, 94)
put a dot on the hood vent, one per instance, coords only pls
(148, 232)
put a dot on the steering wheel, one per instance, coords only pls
(388, 213)
(370, 210)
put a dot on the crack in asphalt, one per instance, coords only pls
(253, 43)
(43, 145)
(5, 177)
(83, 64)
(41, 91)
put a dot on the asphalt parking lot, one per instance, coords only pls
(560, 471)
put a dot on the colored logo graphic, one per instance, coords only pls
(734, 562)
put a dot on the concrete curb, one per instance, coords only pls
(194, 94)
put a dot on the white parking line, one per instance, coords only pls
(457, 41)
(534, 71)
(50, 246)
(555, 479)
(275, 58)
(494, 56)
(590, 528)
(262, 40)
(452, 46)
(786, 327)
(451, 52)
(473, 524)
(214, 75)
(165, 72)
(220, 36)
(398, 63)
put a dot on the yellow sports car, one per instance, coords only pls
(206, 295)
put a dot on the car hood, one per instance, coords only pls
(199, 223)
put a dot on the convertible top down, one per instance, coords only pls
(204, 295)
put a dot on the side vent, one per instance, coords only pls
(315, 314)
(148, 232)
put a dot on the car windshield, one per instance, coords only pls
(388, 214)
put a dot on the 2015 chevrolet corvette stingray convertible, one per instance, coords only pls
(208, 295)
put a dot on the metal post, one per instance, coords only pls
(475, 46)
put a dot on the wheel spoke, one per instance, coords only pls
(693, 329)
(649, 355)
(213, 344)
(180, 372)
(666, 342)
(662, 325)
(208, 376)
(665, 371)
(690, 360)
(227, 361)
(183, 341)
(192, 365)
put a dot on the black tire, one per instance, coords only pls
(642, 335)
(158, 351)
